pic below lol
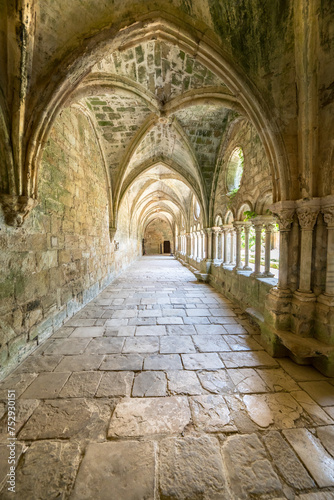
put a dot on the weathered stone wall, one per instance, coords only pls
(155, 234)
(256, 182)
(62, 257)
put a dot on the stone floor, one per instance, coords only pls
(160, 389)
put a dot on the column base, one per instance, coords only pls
(247, 268)
(326, 299)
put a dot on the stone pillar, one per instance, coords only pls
(307, 215)
(220, 236)
(225, 259)
(268, 230)
(188, 245)
(208, 237)
(204, 244)
(284, 219)
(247, 226)
(258, 225)
(199, 246)
(238, 228)
(329, 220)
(195, 245)
(231, 232)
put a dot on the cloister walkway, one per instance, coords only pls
(160, 389)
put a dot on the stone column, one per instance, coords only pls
(188, 245)
(208, 233)
(284, 219)
(204, 244)
(258, 225)
(268, 230)
(220, 236)
(215, 243)
(231, 232)
(225, 259)
(238, 228)
(199, 246)
(247, 226)
(329, 220)
(307, 215)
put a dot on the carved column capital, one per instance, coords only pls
(307, 217)
(16, 208)
(112, 232)
(328, 213)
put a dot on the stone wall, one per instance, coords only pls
(256, 182)
(62, 257)
(155, 234)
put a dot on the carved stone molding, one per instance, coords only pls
(112, 232)
(307, 217)
(284, 218)
(16, 208)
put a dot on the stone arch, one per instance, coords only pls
(246, 206)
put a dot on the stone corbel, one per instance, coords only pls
(284, 212)
(16, 208)
(112, 232)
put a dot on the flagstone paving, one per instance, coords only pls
(160, 389)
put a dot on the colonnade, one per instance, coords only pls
(222, 245)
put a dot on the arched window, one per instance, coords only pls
(235, 169)
(197, 209)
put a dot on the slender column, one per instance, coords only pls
(329, 220)
(231, 247)
(199, 246)
(195, 246)
(307, 215)
(188, 245)
(221, 245)
(238, 228)
(208, 237)
(258, 225)
(204, 244)
(226, 260)
(247, 226)
(268, 230)
(215, 243)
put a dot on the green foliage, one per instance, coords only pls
(249, 215)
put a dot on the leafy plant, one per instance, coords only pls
(249, 215)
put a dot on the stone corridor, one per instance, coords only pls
(159, 389)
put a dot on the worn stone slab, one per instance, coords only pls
(110, 345)
(116, 471)
(197, 320)
(279, 409)
(201, 361)
(277, 379)
(163, 362)
(247, 380)
(68, 418)
(170, 320)
(211, 414)
(80, 362)
(68, 346)
(242, 343)
(116, 322)
(146, 416)
(63, 332)
(300, 373)
(183, 382)
(247, 359)
(173, 312)
(47, 470)
(37, 364)
(318, 415)
(150, 330)
(210, 329)
(81, 385)
(191, 468)
(176, 344)
(115, 384)
(287, 462)
(330, 411)
(120, 331)
(210, 343)
(321, 495)
(46, 385)
(249, 470)
(78, 322)
(217, 382)
(125, 313)
(116, 362)
(321, 391)
(141, 344)
(90, 331)
(23, 410)
(315, 458)
(222, 320)
(148, 384)
(16, 381)
(326, 436)
(223, 312)
(143, 321)
(180, 330)
(198, 312)
(234, 328)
